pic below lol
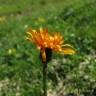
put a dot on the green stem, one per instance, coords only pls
(44, 79)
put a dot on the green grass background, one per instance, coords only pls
(20, 67)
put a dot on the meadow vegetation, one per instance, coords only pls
(20, 67)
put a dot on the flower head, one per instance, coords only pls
(44, 41)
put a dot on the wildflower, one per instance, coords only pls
(49, 42)
(40, 20)
(11, 51)
(26, 26)
(2, 18)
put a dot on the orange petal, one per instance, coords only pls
(29, 39)
(68, 51)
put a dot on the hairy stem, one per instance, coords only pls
(44, 79)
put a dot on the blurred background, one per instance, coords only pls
(20, 67)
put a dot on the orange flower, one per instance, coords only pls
(44, 41)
